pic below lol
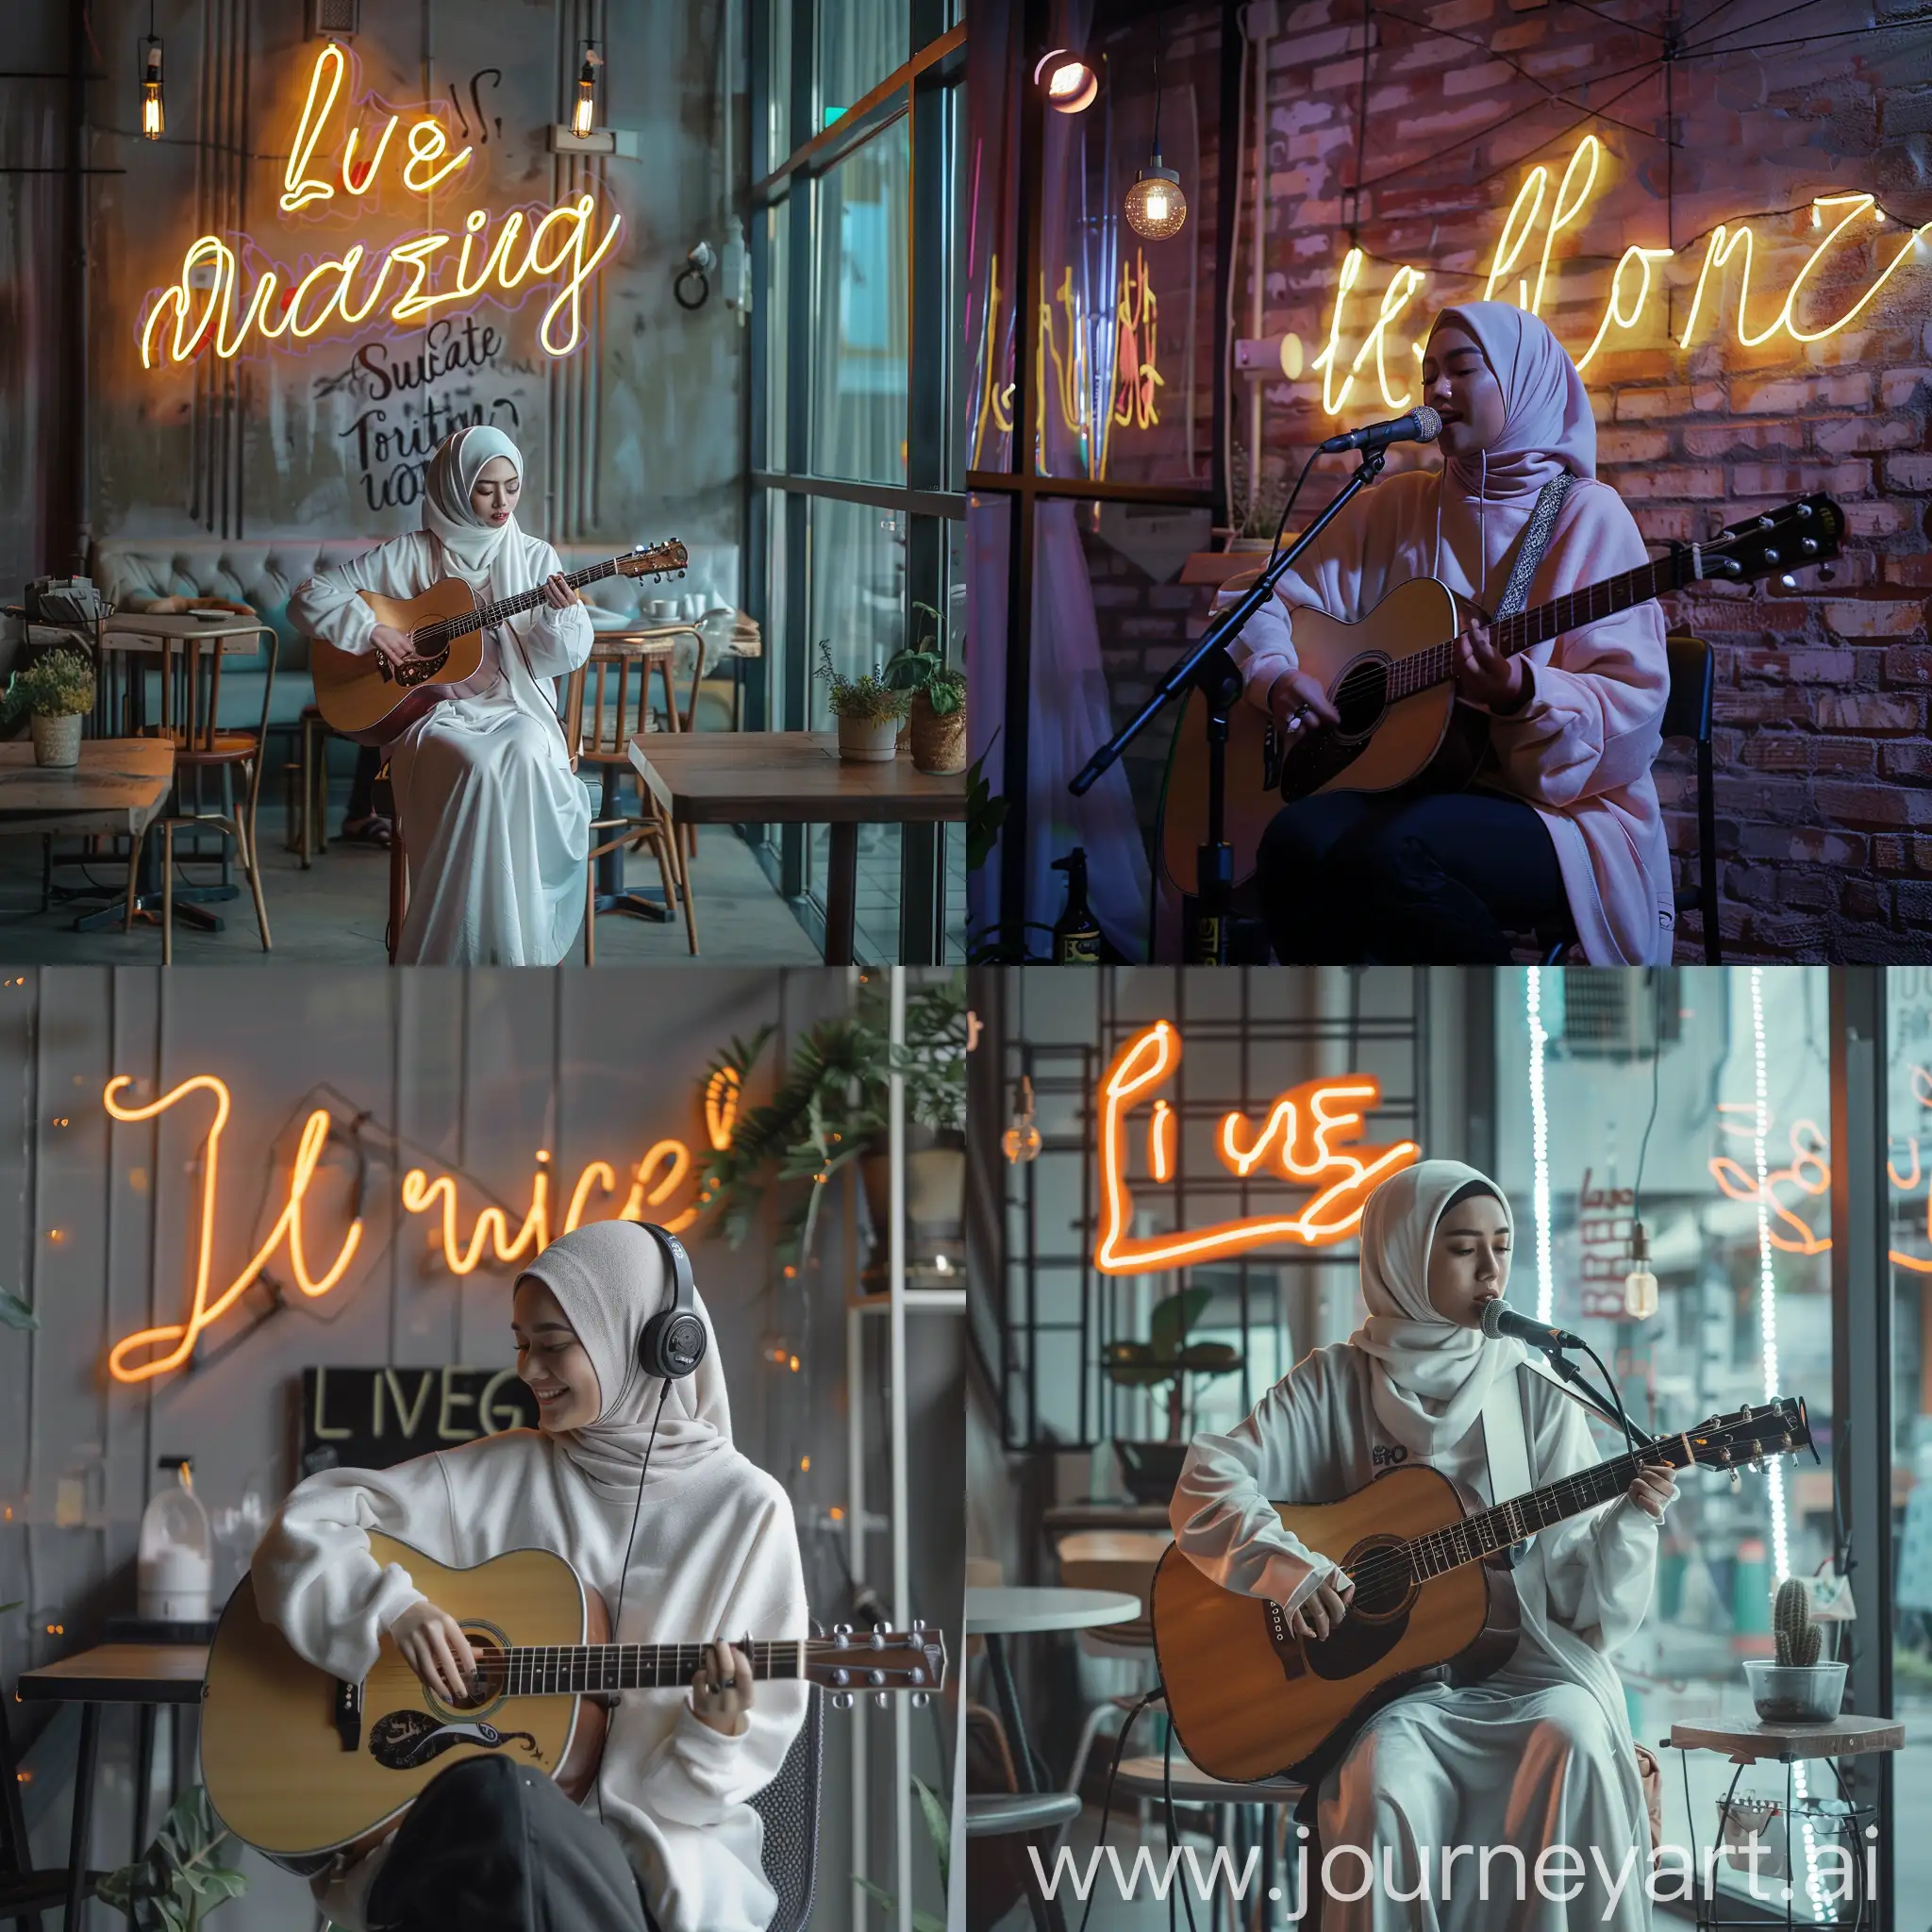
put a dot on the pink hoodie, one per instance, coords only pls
(1580, 750)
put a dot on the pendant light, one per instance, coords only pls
(153, 118)
(1021, 1142)
(584, 115)
(1155, 205)
(1067, 82)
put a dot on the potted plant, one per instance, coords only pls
(1151, 1469)
(830, 1108)
(57, 690)
(178, 1882)
(869, 711)
(938, 702)
(1795, 1687)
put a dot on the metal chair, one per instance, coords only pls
(1688, 712)
(25, 1894)
(790, 1808)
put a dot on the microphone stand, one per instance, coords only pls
(1210, 669)
(1575, 1376)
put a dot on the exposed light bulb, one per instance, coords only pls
(1067, 82)
(153, 118)
(1021, 1142)
(583, 119)
(1155, 205)
(1640, 1285)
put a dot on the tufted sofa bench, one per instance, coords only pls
(263, 572)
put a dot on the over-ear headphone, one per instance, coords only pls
(674, 1341)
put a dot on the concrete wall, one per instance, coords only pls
(473, 1074)
(636, 434)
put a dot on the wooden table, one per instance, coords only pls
(796, 777)
(147, 1675)
(118, 788)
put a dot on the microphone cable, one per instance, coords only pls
(1120, 1745)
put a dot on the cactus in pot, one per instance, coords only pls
(1798, 1637)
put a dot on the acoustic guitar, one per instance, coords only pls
(302, 1765)
(1432, 1589)
(364, 697)
(1391, 676)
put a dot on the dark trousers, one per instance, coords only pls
(363, 801)
(495, 1846)
(1407, 877)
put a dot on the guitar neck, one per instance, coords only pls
(570, 1670)
(524, 600)
(1528, 628)
(1491, 1530)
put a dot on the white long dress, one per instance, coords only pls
(496, 823)
(716, 1554)
(1539, 1754)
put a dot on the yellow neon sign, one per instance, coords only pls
(1306, 1139)
(406, 281)
(1633, 283)
(654, 1180)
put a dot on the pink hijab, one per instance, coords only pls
(1547, 427)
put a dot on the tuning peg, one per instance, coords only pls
(1767, 523)
(878, 1637)
(1808, 545)
(1787, 582)
(918, 1625)
(841, 1676)
(842, 1700)
(1804, 510)
(916, 1674)
(875, 1677)
(1771, 555)
(881, 1699)
(920, 1699)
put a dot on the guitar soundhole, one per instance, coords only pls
(1361, 695)
(492, 1669)
(1383, 1584)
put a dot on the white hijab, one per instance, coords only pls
(609, 1278)
(470, 546)
(1429, 1376)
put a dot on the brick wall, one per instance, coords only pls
(1824, 788)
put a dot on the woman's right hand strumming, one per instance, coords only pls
(433, 1645)
(1297, 701)
(1323, 1608)
(393, 646)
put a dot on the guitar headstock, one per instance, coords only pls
(849, 1663)
(652, 559)
(1794, 537)
(1730, 1442)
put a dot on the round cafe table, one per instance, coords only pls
(997, 1612)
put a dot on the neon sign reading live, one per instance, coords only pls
(1840, 223)
(653, 1181)
(336, 162)
(1308, 1139)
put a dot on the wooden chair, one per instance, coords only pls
(600, 719)
(190, 717)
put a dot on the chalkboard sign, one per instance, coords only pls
(372, 1418)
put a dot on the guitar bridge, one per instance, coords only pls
(1287, 1649)
(349, 1714)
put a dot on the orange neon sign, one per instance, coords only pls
(654, 1180)
(565, 245)
(1307, 1140)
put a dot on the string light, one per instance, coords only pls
(584, 116)
(152, 114)
(1067, 82)
(1640, 1284)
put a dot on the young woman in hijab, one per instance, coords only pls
(496, 823)
(715, 1554)
(1539, 1754)
(1563, 818)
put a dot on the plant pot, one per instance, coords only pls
(1150, 1469)
(868, 741)
(1795, 1694)
(56, 740)
(939, 741)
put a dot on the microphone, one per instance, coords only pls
(1499, 1318)
(1420, 425)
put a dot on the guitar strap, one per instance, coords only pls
(1506, 1446)
(1535, 539)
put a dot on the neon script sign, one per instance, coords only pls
(158, 1351)
(335, 162)
(1841, 223)
(1308, 1139)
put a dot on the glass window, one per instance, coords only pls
(1601, 1076)
(859, 348)
(777, 220)
(859, 43)
(779, 105)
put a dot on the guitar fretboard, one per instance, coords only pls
(570, 1669)
(445, 628)
(1528, 628)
